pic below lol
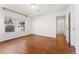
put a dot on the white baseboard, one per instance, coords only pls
(54, 36)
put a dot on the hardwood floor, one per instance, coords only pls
(35, 44)
(62, 45)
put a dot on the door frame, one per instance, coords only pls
(69, 28)
(64, 23)
(69, 21)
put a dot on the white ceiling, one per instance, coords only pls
(39, 10)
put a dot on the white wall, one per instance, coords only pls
(6, 36)
(10, 35)
(77, 27)
(46, 24)
(73, 26)
(1, 21)
(72, 11)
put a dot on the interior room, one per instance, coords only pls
(39, 29)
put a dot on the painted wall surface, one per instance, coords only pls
(10, 35)
(46, 24)
(77, 27)
(1, 21)
(74, 11)
(73, 26)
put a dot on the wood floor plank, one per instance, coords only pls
(34, 44)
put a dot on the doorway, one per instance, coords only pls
(61, 31)
(61, 25)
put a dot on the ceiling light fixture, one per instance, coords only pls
(33, 5)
